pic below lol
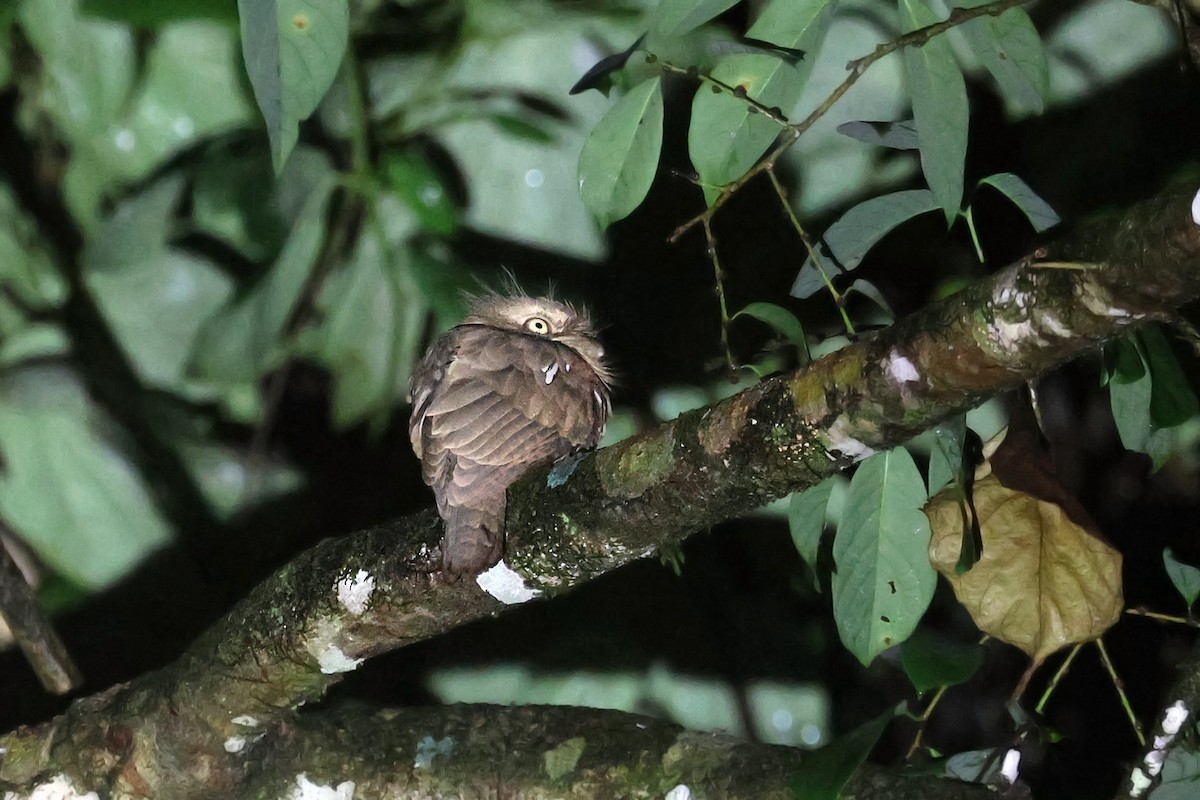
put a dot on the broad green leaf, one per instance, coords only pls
(939, 98)
(26, 268)
(1184, 577)
(233, 480)
(795, 24)
(806, 518)
(1131, 413)
(619, 158)
(883, 579)
(781, 320)
(34, 341)
(677, 17)
(153, 298)
(1039, 213)
(238, 345)
(371, 329)
(823, 774)
(415, 181)
(858, 230)
(1172, 401)
(66, 489)
(523, 190)
(1180, 774)
(900, 135)
(160, 12)
(238, 199)
(930, 661)
(726, 135)
(1011, 48)
(120, 125)
(292, 50)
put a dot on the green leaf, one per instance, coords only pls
(292, 50)
(1172, 401)
(931, 661)
(619, 158)
(900, 135)
(373, 319)
(1180, 774)
(781, 320)
(1184, 577)
(1123, 361)
(807, 517)
(1039, 213)
(677, 17)
(118, 124)
(1011, 48)
(946, 453)
(1131, 413)
(939, 97)
(795, 24)
(67, 490)
(415, 181)
(883, 580)
(522, 190)
(154, 299)
(160, 12)
(37, 340)
(233, 480)
(26, 268)
(858, 230)
(726, 136)
(823, 773)
(238, 345)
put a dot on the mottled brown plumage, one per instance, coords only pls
(522, 381)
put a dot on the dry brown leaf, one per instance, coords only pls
(1044, 581)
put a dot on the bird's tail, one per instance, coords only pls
(474, 539)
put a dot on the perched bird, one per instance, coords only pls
(522, 381)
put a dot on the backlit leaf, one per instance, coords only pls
(939, 98)
(883, 581)
(292, 49)
(620, 157)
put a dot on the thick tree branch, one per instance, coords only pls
(193, 728)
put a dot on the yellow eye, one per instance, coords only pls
(537, 325)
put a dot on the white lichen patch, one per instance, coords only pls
(246, 721)
(1047, 321)
(504, 584)
(1173, 720)
(901, 369)
(838, 438)
(324, 646)
(680, 792)
(1010, 770)
(57, 788)
(307, 790)
(429, 748)
(354, 592)
(235, 744)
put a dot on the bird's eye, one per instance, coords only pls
(537, 325)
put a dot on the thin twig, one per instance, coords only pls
(719, 289)
(856, 69)
(1119, 685)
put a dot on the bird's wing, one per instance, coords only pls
(488, 404)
